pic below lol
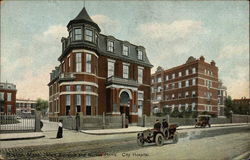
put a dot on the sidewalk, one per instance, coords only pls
(135, 129)
(18, 136)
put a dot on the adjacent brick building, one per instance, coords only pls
(243, 101)
(25, 107)
(99, 74)
(191, 85)
(7, 98)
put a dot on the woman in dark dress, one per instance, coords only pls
(60, 130)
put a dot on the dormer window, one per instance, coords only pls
(70, 35)
(110, 46)
(125, 50)
(89, 35)
(77, 34)
(139, 55)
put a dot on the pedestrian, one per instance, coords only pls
(60, 130)
(77, 122)
(164, 124)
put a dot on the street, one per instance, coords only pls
(77, 145)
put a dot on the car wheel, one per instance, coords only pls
(175, 138)
(159, 140)
(140, 141)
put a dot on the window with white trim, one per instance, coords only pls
(173, 96)
(193, 81)
(193, 106)
(88, 63)
(139, 55)
(159, 79)
(179, 108)
(166, 77)
(140, 75)
(67, 100)
(193, 70)
(167, 86)
(9, 97)
(78, 103)
(193, 93)
(179, 95)
(179, 84)
(110, 46)
(186, 106)
(111, 68)
(78, 88)
(67, 88)
(158, 97)
(187, 83)
(187, 72)
(88, 35)
(77, 34)
(158, 88)
(78, 62)
(88, 88)
(180, 74)
(125, 50)
(88, 104)
(173, 76)
(9, 108)
(125, 71)
(186, 94)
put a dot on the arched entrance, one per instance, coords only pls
(125, 97)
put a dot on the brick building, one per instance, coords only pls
(191, 85)
(222, 95)
(243, 101)
(25, 107)
(99, 74)
(7, 98)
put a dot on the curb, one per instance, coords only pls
(23, 137)
(110, 133)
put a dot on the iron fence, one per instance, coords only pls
(11, 123)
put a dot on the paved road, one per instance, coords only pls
(224, 146)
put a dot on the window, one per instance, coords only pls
(173, 85)
(158, 97)
(179, 95)
(111, 68)
(180, 74)
(193, 94)
(88, 105)
(67, 100)
(205, 71)
(1, 96)
(88, 63)
(88, 88)
(187, 72)
(96, 38)
(125, 50)
(70, 35)
(110, 46)
(68, 63)
(193, 106)
(167, 77)
(78, 62)
(89, 35)
(125, 71)
(78, 88)
(158, 88)
(152, 89)
(179, 108)
(187, 83)
(139, 55)
(173, 76)
(186, 94)
(159, 79)
(193, 81)
(186, 106)
(140, 75)
(173, 96)
(67, 88)
(167, 86)
(179, 84)
(78, 103)
(152, 81)
(9, 96)
(194, 70)
(78, 34)
(9, 108)
(166, 97)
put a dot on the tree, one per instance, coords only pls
(175, 113)
(166, 110)
(228, 106)
(42, 105)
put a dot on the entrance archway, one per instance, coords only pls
(125, 97)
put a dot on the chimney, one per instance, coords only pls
(212, 63)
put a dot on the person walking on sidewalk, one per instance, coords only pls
(60, 130)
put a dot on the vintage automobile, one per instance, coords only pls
(203, 121)
(158, 137)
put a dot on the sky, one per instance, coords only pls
(171, 31)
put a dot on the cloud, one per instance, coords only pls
(172, 31)
(233, 50)
(28, 66)
(106, 23)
